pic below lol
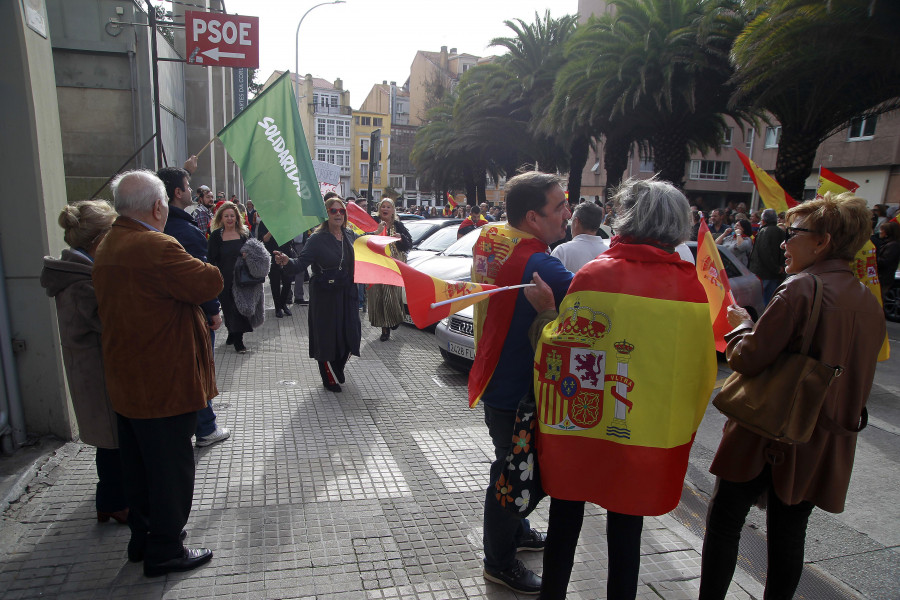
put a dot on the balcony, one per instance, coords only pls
(331, 110)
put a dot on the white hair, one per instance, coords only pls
(135, 192)
(648, 209)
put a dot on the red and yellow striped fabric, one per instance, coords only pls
(359, 219)
(829, 181)
(711, 273)
(772, 194)
(622, 380)
(375, 265)
(499, 258)
(865, 268)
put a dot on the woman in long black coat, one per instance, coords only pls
(334, 327)
(225, 242)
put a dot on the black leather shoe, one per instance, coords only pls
(278, 313)
(332, 387)
(287, 312)
(193, 558)
(534, 541)
(136, 549)
(519, 579)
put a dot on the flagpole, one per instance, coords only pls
(215, 137)
(485, 293)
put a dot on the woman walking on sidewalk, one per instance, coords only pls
(225, 242)
(823, 236)
(386, 301)
(68, 280)
(334, 327)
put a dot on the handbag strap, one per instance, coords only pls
(813, 317)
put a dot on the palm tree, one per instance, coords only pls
(645, 72)
(816, 66)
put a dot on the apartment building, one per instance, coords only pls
(389, 99)
(364, 123)
(430, 75)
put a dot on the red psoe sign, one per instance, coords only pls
(221, 40)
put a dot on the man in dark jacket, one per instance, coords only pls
(184, 228)
(767, 257)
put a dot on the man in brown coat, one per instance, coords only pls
(159, 366)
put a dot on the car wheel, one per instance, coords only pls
(892, 303)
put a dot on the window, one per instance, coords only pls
(745, 178)
(748, 137)
(714, 170)
(729, 133)
(320, 126)
(773, 136)
(396, 182)
(364, 149)
(320, 154)
(364, 172)
(365, 121)
(862, 128)
(646, 164)
(376, 121)
(342, 129)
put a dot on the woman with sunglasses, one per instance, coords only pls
(386, 301)
(334, 327)
(823, 236)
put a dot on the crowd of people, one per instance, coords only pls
(149, 277)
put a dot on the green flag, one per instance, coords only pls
(268, 144)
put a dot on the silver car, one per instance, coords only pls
(455, 334)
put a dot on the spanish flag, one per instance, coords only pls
(360, 221)
(829, 181)
(453, 202)
(622, 379)
(772, 194)
(865, 268)
(374, 264)
(499, 258)
(711, 273)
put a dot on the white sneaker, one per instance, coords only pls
(219, 435)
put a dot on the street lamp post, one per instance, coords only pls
(297, 47)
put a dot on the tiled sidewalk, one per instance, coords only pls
(374, 493)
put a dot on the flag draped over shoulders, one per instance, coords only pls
(498, 258)
(267, 142)
(622, 380)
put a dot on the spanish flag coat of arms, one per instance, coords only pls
(622, 380)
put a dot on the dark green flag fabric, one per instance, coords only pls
(268, 144)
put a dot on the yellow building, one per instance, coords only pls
(363, 124)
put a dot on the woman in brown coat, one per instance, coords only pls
(823, 235)
(68, 280)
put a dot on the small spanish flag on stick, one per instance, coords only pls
(711, 273)
(429, 299)
(772, 194)
(359, 219)
(829, 181)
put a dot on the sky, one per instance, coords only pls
(365, 42)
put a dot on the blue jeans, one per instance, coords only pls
(206, 417)
(502, 530)
(769, 286)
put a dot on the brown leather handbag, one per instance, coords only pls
(782, 402)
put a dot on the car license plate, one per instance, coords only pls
(460, 350)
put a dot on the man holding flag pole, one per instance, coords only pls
(510, 254)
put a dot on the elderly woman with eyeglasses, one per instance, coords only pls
(823, 236)
(334, 326)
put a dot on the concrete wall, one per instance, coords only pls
(34, 193)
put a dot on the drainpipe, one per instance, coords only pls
(12, 418)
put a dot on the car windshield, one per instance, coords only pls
(419, 230)
(463, 246)
(440, 240)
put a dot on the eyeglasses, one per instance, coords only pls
(792, 231)
(335, 211)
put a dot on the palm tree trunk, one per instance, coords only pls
(670, 155)
(482, 188)
(578, 155)
(615, 161)
(796, 153)
(471, 192)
